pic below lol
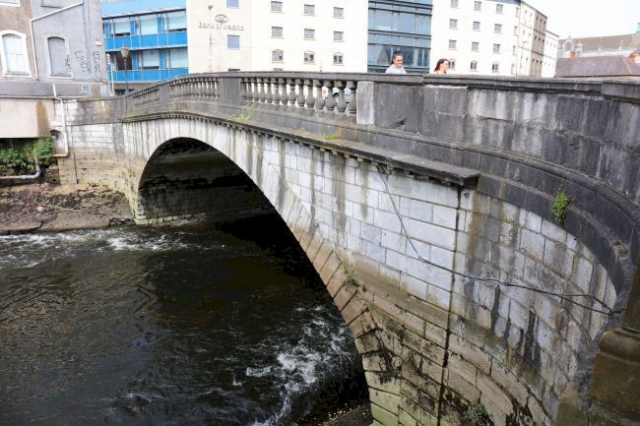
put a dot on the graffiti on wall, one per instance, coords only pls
(82, 59)
(97, 69)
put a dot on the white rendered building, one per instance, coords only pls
(287, 35)
(492, 37)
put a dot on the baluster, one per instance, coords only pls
(269, 94)
(319, 103)
(342, 105)
(243, 90)
(291, 99)
(262, 94)
(300, 98)
(276, 92)
(352, 106)
(329, 101)
(309, 101)
(255, 91)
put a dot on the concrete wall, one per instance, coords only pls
(25, 118)
(461, 292)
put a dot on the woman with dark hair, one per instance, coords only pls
(441, 66)
(396, 66)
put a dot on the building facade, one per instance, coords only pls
(286, 35)
(402, 26)
(52, 42)
(154, 34)
(614, 45)
(492, 37)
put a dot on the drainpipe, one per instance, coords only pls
(25, 177)
(64, 154)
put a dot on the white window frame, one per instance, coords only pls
(453, 44)
(476, 26)
(497, 47)
(453, 24)
(499, 8)
(277, 55)
(309, 34)
(477, 5)
(309, 9)
(3, 55)
(277, 8)
(338, 36)
(475, 46)
(495, 67)
(473, 66)
(341, 58)
(277, 32)
(452, 64)
(497, 28)
(309, 57)
(454, 3)
(338, 12)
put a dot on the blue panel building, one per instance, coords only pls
(403, 26)
(152, 35)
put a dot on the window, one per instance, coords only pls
(454, 3)
(452, 64)
(11, 1)
(277, 56)
(477, 5)
(276, 31)
(309, 33)
(309, 57)
(174, 21)
(476, 25)
(14, 58)
(147, 24)
(337, 58)
(177, 58)
(276, 6)
(309, 9)
(497, 28)
(148, 59)
(475, 46)
(338, 36)
(498, 8)
(233, 4)
(233, 42)
(496, 48)
(453, 44)
(495, 67)
(338, 12)
(473, 66)
(58, 64)
(453, 24)
(120, 27)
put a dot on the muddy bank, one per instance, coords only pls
(46, 207)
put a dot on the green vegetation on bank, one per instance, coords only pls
(21, 159)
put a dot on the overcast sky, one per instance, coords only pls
(589, 18)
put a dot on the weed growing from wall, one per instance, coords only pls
(559, 207)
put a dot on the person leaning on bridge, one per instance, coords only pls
(396, 66)
(441, 66)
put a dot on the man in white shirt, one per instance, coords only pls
(396, 66)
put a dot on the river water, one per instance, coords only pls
(180, 325)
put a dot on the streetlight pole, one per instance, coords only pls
(124, 51)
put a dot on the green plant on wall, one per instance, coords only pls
(476, 415)
(559, 206)
(16, 161)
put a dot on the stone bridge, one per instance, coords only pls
(480, 236)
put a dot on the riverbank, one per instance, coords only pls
(47, 207)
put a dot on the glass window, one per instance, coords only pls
(337, 58)
(233, 4)
(452, 64)
(177, 58)
(233, 42)
(475, 46)
(276, 31)
(496, 48)
(120, 27)
(473, 66)
(276, 6)
(309, 9)
(495, 67)
(338, 36)
(338, 12)
(477, 5)
(453, 24)
(14, 53)
(57, 57)
(309, 33)
(454, 3)
(309, 57)
(452, 44)
(149, 59)
(423, 24)
(175, 21)
(277, 56)
(498, 8)
(147, 24)
(476, 25)
(497, 28)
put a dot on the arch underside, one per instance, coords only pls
(453, 297)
